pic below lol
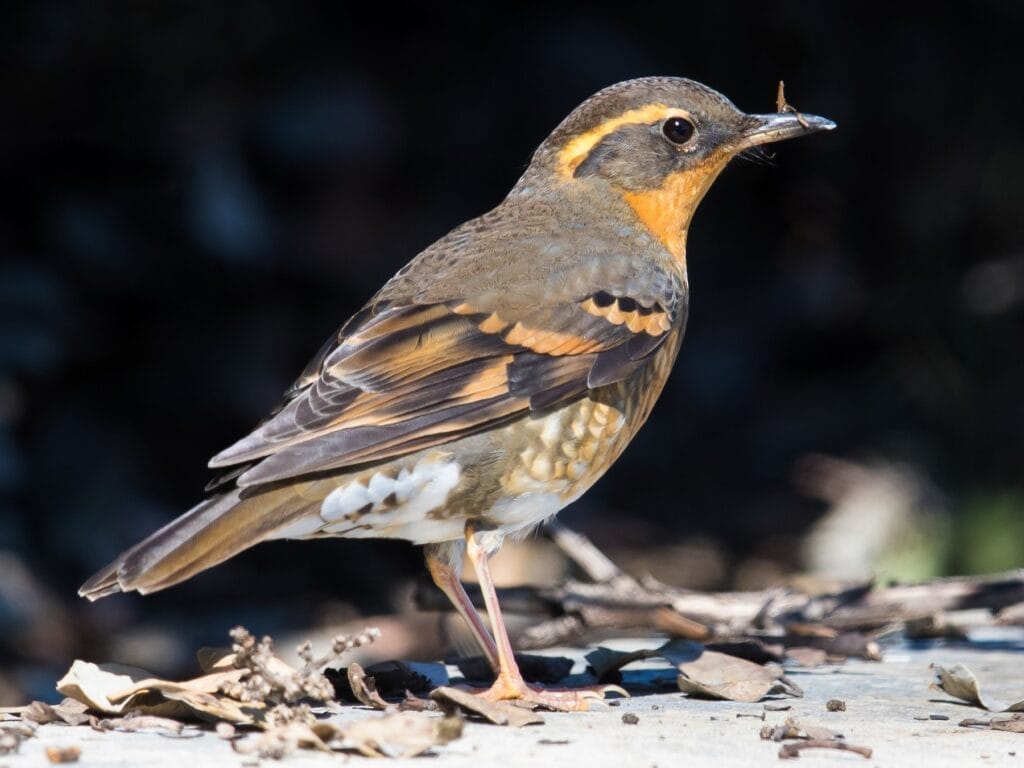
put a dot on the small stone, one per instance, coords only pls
(630, 719)
(63, 754)
(836, 705)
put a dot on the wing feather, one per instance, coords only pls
(400, 378)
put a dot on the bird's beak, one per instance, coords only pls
(778, 126)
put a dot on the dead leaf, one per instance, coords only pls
(133, 723)
(68, 711)
(751, 649)
(392, 678)
(1014, 723)
(497, 712)
(605, 661)
(960, 683)
(364, 688)
(401, 734)
(718, 676)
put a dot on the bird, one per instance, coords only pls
(497, 375)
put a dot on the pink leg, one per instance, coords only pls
(446, 576)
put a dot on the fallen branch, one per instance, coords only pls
(615, 601)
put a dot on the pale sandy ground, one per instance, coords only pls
(882, 700)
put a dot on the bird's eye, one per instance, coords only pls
(678, 130)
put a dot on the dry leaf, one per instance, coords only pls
(751, 649)
(392, 678)
(1014, 723)
(68, 711)
(605, 661)
(133, 723)
(279, 740)
(718, 676)
(960, 683)
(497, 712)
(401, 735)
(115, 689)
(364, 688)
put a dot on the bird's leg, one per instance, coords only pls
(444, 561)
(480, 545)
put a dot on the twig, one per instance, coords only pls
(794, 749)
(581, 550)
(781, 105)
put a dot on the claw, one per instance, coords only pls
(554, 699)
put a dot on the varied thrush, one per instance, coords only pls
(498, 374)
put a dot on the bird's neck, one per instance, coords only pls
(667, 210)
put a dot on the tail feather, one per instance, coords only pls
(208, 534)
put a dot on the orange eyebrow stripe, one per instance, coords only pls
(576, 150)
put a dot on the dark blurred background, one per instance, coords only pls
(196, 194)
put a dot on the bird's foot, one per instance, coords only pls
(556, 699)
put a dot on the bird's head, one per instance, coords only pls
(659, 142)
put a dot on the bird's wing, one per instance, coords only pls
(403, 375)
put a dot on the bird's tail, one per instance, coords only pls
(208, 534)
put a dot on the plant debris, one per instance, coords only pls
(702, 672)
(1014, 723)
(132, 723)
(794, 749)
(718, 676)
(497, 712)
(68, 711)
(12, 734)
(783, 106)
(391, 678)
(807, 737)
(793, 729)
(364, 688)
(960, 683)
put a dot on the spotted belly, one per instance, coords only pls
(509, 479)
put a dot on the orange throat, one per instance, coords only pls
(666, 211)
